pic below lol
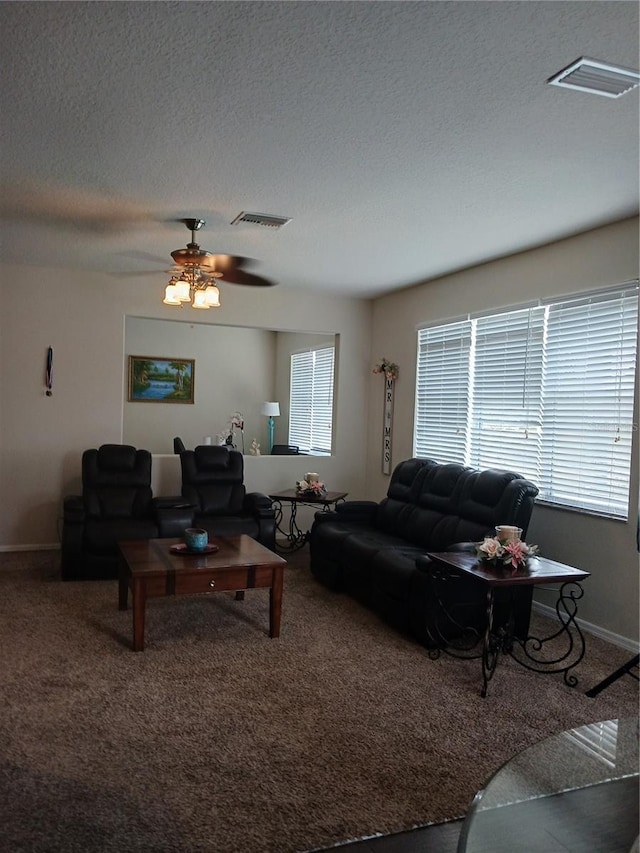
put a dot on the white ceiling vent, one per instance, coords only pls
(599, 78)
(267, 219)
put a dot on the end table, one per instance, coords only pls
(296, 538)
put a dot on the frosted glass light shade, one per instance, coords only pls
(199, 300)
(182, 290)
(170, 296)
(212, 296)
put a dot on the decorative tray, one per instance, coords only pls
(181, 548)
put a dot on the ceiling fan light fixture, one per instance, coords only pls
(196, 270)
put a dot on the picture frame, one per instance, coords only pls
(161, 379)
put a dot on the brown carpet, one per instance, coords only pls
(217, 739)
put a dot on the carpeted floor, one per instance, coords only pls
(218, 739)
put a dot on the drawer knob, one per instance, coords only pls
(212, 584)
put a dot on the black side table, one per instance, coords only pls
(294, 536)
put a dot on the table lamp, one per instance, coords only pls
(271, 410)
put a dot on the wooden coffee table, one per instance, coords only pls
(150, 570)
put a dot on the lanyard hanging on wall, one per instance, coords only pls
(48, 377)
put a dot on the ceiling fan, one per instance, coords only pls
(193, 278)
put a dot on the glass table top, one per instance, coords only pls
(585, 757)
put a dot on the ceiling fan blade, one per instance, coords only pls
(221, 263)
(238, 276)
(70, 208)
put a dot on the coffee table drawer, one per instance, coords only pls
(216, 580)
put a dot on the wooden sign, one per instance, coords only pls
(387, 429)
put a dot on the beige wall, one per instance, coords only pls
(595, 259)
(82, 316)
(233, 372)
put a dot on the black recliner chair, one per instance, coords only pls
(213, 484)
(116, 504)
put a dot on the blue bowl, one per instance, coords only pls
(196, 539)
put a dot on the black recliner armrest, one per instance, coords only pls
(349, 512)
(172, 521)
(259, 504)
(73, 509)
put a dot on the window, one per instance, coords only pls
(311, 400)
(546, 391)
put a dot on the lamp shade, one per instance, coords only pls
(271, 410)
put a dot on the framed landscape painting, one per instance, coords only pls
(154, 379)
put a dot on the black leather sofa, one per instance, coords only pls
(376, 551)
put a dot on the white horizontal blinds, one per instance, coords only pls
(301, 381)
(588, 402)
(311, 400)
(546, 391)
(505, 414)
(442, 392)
(322, 400)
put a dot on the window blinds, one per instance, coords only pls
(546, 391)
(311, 400)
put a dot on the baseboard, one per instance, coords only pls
(55, 546)
(590, 628)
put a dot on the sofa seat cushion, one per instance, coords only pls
(393, 570)
(101, 535)
(359, 551)
(228, 525)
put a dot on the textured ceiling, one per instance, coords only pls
(404, 139)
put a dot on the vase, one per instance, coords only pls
(506, 533)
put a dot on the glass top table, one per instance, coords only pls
(561, 794)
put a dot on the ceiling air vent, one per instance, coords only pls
(261, 219)
(599, 78)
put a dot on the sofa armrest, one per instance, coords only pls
(73, 509)
(172, 521)
(352, 508)
(259, 505)
(349, 512)
(73, 518)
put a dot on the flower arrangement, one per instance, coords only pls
(512, 552)
(227, 436)
(311, 488)
(388, 368)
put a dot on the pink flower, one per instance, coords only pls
(516, 553)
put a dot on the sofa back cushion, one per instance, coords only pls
(212, 479)
(435, 506)
(116, 482)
